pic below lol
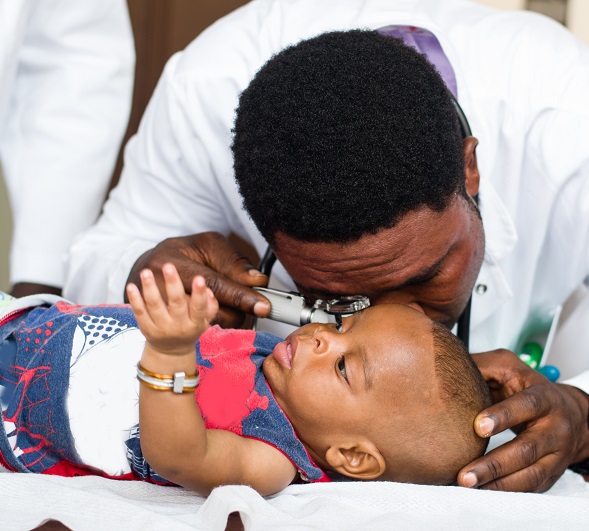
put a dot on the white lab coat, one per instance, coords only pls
(523, 82)
(66, 80)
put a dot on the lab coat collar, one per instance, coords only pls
(500, 232)
(491, 289)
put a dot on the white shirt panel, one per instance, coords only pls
(66, 79)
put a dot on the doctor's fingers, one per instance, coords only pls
(558, 410)
(532, 462)
(215, 251)
(530, 404)
(505, 373)
(495, 472)
(227, 272)
(553, 418)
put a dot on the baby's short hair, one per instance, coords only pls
(439, 444)
(466, 394)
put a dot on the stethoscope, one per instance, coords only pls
(292, 308)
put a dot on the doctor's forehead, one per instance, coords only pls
(389, 259)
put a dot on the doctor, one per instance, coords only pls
(522, 81)
(66, 80)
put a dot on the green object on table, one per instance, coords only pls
(531, 354)
(5, 299)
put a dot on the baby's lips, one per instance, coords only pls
(283, 354)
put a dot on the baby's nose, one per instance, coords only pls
(321, 340)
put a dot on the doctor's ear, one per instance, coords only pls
(359, 461)
(471, 170)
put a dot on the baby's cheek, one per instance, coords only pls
(309, 395)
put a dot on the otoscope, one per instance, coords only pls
(293, 308)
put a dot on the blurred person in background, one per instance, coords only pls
(66, 81)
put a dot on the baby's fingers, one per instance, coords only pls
(212, 306)
(177, 306)
(203, 304)
(136, 301)
(154, 304)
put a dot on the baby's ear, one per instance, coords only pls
(361, 460)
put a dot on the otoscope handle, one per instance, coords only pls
(292, 308)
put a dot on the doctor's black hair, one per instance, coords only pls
(342, 135)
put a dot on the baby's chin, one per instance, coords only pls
(269, 370)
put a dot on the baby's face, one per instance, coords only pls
(378, 369)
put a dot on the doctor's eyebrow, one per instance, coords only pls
(317, 293)
(423, 276)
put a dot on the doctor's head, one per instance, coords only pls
(350, 160)
(390, 395)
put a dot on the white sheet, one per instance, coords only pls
(96, 503)
(89, 503)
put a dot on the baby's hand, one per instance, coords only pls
(172, 328)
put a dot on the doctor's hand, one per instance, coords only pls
(227, 273)
(551, 421)
(22, 289)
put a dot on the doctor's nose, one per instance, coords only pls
(416, 306)
(397, 297)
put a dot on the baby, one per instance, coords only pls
(389, 396)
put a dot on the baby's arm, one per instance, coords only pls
(173, 436)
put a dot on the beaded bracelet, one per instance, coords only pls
(177, 382)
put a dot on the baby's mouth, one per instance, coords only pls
(283, 354)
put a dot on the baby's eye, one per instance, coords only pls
(341, 366)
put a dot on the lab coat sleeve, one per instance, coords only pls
(68, 111)
(580, 381)
(169, 185)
